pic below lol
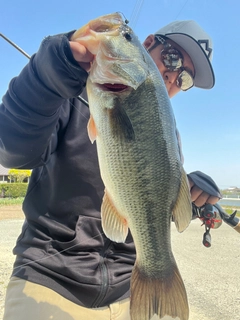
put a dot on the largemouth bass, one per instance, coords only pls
(134, 128)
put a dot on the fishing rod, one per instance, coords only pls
(15, 46)
(136, 11)
(29, 57)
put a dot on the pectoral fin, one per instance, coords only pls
(92, 131)
(114, 225)
(121, 124)
(182, 212)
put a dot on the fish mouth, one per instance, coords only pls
(114, 87)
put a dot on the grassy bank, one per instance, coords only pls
(10, 201)
(230, 210)
(18, 201)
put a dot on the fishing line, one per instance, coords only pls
(136, 11)
(181, 9)
(78, 108)
(55, 254)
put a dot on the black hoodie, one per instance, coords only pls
(43, 126)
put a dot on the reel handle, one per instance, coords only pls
(207, 239)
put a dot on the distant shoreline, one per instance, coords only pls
(230, 202)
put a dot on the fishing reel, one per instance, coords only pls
(211, 216)
(211, 219)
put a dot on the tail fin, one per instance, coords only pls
(165, 296)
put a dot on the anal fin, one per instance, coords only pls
(114, 225)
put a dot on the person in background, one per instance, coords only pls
(65, 267)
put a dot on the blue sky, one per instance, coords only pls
(208, 120)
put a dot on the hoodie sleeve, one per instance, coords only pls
(32, 106)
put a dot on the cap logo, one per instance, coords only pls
(205, 45)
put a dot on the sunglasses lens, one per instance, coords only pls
(185, 80)
(172, 59)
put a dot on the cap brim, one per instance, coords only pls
(204, 75)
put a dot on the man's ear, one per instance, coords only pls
(149, 41)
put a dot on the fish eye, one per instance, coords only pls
(126, 32)
(128, 36)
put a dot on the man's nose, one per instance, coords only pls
(170, 77)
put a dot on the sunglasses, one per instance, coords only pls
(173, 61)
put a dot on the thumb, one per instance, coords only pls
(81, 54)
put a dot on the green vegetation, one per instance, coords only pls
(19, 176)
(230, 210)
(13, 190)
(11, 201)
(19, 201)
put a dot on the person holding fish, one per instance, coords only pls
(98, 214)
